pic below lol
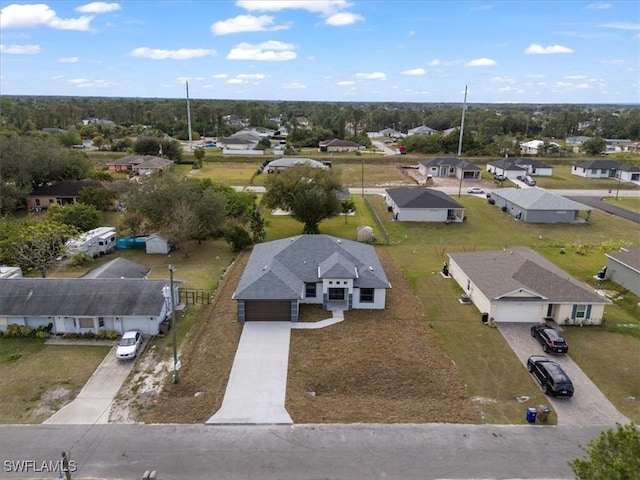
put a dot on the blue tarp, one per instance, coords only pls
(127, 243)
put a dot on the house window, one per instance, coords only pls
(86, 322)
(310, 290)
(37, 202)
(580, 311)
(366, 295)
(336, 294)
(603, 171)
(101, 321)
(594, 171)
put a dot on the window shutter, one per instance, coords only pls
(574, 311)
(588, 315)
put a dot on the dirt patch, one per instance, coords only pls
(52, 400)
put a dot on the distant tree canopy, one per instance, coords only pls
(594, 146)
(309, 193)
(158, 147)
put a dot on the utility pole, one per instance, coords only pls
(176, 366)
(65, 466)
(189, 120)
(464, 109)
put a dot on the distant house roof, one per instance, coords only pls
(81, 296)
(578, 140)
(498, 273)
(450, 161)
(421, 130)
(153, 163)
(419, 197)
(292, 162)
(67, 188)
(132, 160)
(337, 142)
(628, 256)
(278, 270)
(538, 199)
(600, 164)
(530, 161)
(118, 268)
(237, 141)
(506, 165)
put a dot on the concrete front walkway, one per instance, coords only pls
(93, 403)
(258, 382)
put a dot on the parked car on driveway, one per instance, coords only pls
(550, 339)
(475, 190)
(550, 375)
(129, 345)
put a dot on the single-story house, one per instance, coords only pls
(418, 204)
(316, 269)
(575, 143)
(157, 243)
(519, 285)
(449, 167)
(623, 267)
(421, 130)
(596, 169)
(118, 268)
(506, 168)
(389, 133)
(338, 145)
(628, 173)
(80, 305)
(126, 164)
(533, 147)
(234, 143)
(534, 167)
(288, 162)
(535, 205)
(152, 165)
(64, 192)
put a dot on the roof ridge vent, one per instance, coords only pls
(265, 267)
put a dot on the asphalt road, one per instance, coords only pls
(607, 207)
(430, 451)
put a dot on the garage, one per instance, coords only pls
(519, 311)
(268, 310)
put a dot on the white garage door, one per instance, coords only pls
(519, 312)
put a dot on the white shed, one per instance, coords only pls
(156, 243)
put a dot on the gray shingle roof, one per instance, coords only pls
(538, 199)
(420, 197)
(132, 160)
(498, 273)
(629, 256)
(602, 164)
(81, 296)
(67, 188)
(118, 268)
(279, 269)
(451, 161)
(291, 162)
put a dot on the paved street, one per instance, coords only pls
(431, 451)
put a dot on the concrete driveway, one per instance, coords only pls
(588, 406)
(93, 403)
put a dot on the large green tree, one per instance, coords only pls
(614, 455)
(594, 146)
(82, 216)
(308, 192)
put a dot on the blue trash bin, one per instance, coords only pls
(531, 414)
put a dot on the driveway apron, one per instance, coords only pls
(257, 385)
(93, 403)
(588, 406)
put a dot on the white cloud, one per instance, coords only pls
(84, 83)
(293, 85)
(575, 77)
(323, 7)
(219, 75)
(251, 76)
(415, 71)
(621, 25)
(69, 60)
(372, 76)
(344, 18)
(98, 7)
(483, 7)
(56, 77)
(598, 6)
(411, 33)
(40, 15)
(246, 23)
(615, 61)
(441, 63)
(180, 54)
(508, 80)
(481, 62)
(236, 81)
(535, 49)
(346, 83)
(271, 51)
(20, 49)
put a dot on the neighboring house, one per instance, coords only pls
(519, 285)
(157, 244)
(628, 173)
(449, 167)
(337, 145)
(534, 167)
(417, 204)
(288, 162)
(80, 305)
(319, 269)
(634, 147)
(505, 168)
(575, 143)
(235, 143)
(623, 267)
(596, 169)
(139, 164)
(152, 165)
(533, 147)
(118, 268)
(616, 145)
(97, 121)
(421, 130)
(126, 164)
(389, 133)
(64, 192)
(535, 205)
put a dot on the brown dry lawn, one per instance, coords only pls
(377, 366)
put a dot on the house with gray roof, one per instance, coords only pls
(519, 285)
(338, 145)
(152, 165)
(596, 169)
(80, 305)
(628, 173)
(421, 130)
(449, 167)
(288, 162)
(309, 269)
(535, 205)
(418, 204)
(623, 268)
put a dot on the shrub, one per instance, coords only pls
(17, 331)
(107, 335)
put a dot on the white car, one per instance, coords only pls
(475, 190)
(129, 345)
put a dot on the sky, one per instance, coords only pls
(501, 51)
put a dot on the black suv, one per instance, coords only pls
(550, 338)
(550, 376)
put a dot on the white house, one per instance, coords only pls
(421, 130)
(623, 267)
(288, 162)
(596, 169)
(519, 285)
(628, 173)
(317, 269)
(532, 147)
(418, 204)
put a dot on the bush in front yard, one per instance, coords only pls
(17, 331)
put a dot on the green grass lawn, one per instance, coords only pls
(630, 203)
(37, 379)
(563, 179)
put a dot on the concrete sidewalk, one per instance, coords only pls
(93, 403)
(258, 382)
